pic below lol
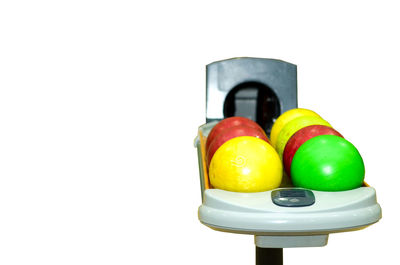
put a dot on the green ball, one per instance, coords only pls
(327, 163)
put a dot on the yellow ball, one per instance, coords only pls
(286, 118)
(293, 126)
(245, 164)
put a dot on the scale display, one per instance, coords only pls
(293, 197)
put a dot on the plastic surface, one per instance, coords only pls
(291, 241)
(255, 213)
(259, 75)
(293, 197)
(256, 83)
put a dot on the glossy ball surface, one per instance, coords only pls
(300, 137)
(228, 123)
(293, 126)
(232, 132)
(245, 164)
(285, 118)
(327, 163)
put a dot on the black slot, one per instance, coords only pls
(255, 101)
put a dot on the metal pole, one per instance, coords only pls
(269, 256)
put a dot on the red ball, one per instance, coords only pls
(300, 137)
(227, 123)
(232, 132)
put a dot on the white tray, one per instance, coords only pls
(277, 226)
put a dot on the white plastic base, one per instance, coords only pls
(255, 213)
(281, 227)
(290, 241)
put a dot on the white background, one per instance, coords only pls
(100, 103)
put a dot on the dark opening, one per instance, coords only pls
(255, 101)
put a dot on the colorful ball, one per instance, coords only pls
(228, 123)
(327, 163)
(232, 132)
(300, 137)
(245, 164)
(285, 118)
(293, 126)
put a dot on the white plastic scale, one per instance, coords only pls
(262, 89)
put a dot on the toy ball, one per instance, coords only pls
(229, 133)
(285, 118)
(293, 126)
(228, 123)
(327, 163)
(245, 164)
(300, 137)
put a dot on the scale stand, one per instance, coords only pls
(262, 89)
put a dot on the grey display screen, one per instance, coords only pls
(293, 197)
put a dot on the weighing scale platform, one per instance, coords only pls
(262, 89)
